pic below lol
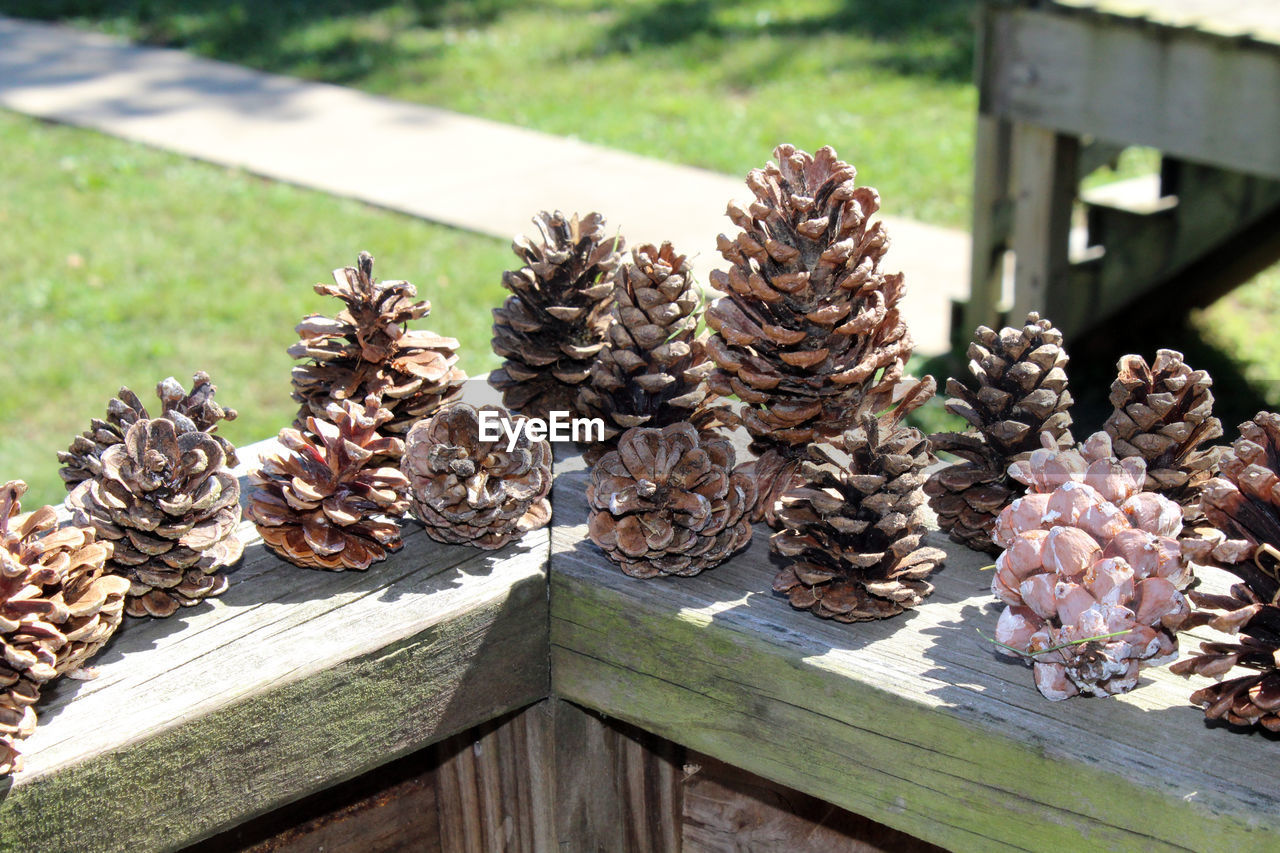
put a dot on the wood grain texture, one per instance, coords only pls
(617, 787)
(1200, 96)
(727, 810)
(914, 722)
(292, 681)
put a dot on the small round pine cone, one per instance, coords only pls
(853, 526)
(668, 502)
(1092, 571)
(58, 607)
(324, 505)
(167, 501)
(192, 412)
(469, 491)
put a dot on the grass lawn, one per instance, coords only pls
(706, 83)
(123, 265)
(108, 235)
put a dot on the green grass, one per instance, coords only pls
(123, 265)
(1243, 325)
(711, 84)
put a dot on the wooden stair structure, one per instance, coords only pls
(1064, 86)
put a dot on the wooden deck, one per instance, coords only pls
(1063, 86)
(292, 681)
(296, 680)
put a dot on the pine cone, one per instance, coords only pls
(1021, 394)
(167, 501)
(852, 528)
(808, 335)
(1092, 571)
(653, 371)
(1163, 413)
(368, 348)
(554, 325)
(1243, 504)
(468, 491)
(318, 506)
(668, 502)
(194, 412)
(57, 609)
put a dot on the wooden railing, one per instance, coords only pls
(296, 680)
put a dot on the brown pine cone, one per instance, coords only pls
(167, 501)
(1163, 414)
(323, 505)
(808, 335)
(1021, 393)
(58, 607)
(1250, 699)
(553, 327)
(194, 412)
(1243, 504)
(369, 348)
(853, 526)
(668, 502)
(468, 491)
(653, 372)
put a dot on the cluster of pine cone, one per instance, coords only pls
(806, 343)
(805, 352)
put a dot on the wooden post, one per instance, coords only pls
(616, 788)
(1044, 174)
(991, 209)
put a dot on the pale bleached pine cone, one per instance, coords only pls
(1092, 572)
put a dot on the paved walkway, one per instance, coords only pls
(462, 171)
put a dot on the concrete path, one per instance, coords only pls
(462, 171)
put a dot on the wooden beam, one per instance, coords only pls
(292, 681)
(992, 207)
(914, 722)
(1044, 176)
(617, 788)
(1188, 93)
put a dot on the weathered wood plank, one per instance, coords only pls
(991, 221)
(727, 810)
(1044, 176)
(914, 722)
(1238, 19)
(292, 681)
(616, 788)
(1210, 99)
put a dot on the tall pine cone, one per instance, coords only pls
(1163, 414)
(1092, 571)
(468, 491)
(319, 505)
(668, 502)
(170, 505)
(368, 348)
(1243, 503)
(808, 335)
(58, 607)
(196, 411)
(1021, 394)
(553, 326)
(852, 528)
(653, 372)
